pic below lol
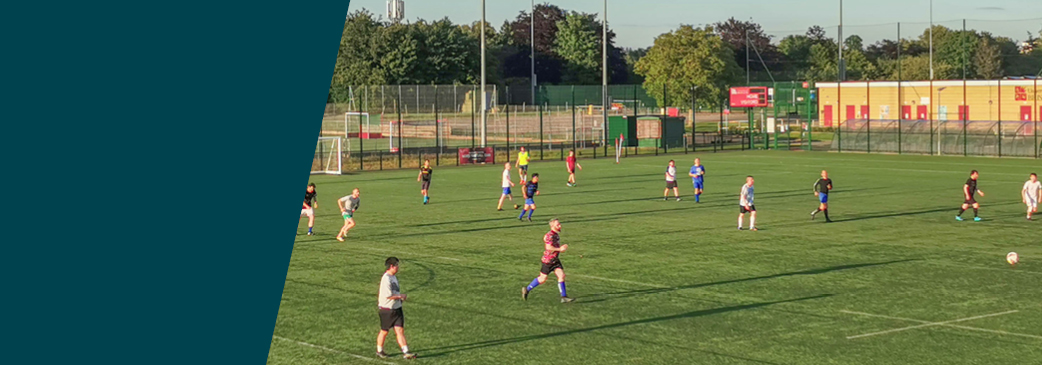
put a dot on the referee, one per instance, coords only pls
(390, 309)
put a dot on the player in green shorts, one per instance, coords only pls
(348, 205)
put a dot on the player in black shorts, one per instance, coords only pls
(968, 191)
(551, 262)
(425, 177)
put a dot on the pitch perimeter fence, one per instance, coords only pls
(399, 126)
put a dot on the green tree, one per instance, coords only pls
(688, 57)
(577, 44)
(357, 61)
(988, 62)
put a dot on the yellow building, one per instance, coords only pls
(977, 100)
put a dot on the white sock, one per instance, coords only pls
(739, 222)
(405, 349)
(752, 222)
(379, 349)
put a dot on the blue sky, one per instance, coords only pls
(636, 23)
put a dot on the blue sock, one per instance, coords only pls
(522, 214)
(530, 213)
(696, 197)
(533, 284)
(426, 198)
(560, 285)
(309, 229)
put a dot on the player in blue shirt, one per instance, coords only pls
(530, 190)
(697, 174)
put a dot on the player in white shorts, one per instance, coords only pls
(1032, 194)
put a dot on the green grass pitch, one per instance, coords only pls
(896, 280)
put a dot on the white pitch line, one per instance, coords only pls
(924, 323)
(332, 350)
(622, 281)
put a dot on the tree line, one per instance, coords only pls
(567, 46)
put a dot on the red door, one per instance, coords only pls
(828, 116)
(850, 113)
(864, 112)
(1025, 113)
(906, 112)
(964, 112)
(920, 112)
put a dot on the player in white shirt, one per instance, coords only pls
(389, 304)
(745, 204)
(506, 185)
(671, 181)
(1032, 194)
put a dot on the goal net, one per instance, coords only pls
(328, 156)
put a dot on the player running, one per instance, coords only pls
(671, 181)
(522, 164)
(507, 184)
(821, 190)
(551, 262)
(572, 164)
(745, 204)
(308, 210)
(425, 176)
(389, 304)
(697, 174)
(529, 190)
(1032, 194)
(967, 191)
(348, 205)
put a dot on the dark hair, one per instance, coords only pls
(311, 184)
(535, 175)
(749, 176)
(1034, 174)
(391, 261)
(671, 161)
(973, 172)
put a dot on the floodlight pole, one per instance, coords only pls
(842, 72)
(931, 40)
(484, 99)
(604, 77)
(531, 34)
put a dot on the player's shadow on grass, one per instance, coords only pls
(599, 297)
(949, 208)
(445, 350)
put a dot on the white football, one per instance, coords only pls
(1012, 258)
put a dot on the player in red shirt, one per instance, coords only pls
(572, 164)
(551, 263)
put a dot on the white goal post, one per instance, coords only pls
(363, 125)
(328, 156)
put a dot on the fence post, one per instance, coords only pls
(437, 130)
(381, 160)
(361, 148)
(508, 121)
(473, 111)
(573, 121)
(868, 118)
(398, 109)
(541, 144)
(1000, 118)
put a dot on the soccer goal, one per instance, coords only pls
(357, 124)
(328, 156)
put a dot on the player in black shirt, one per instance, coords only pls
(967, 191)
(310, 203)
(530, 189)
(425, 176)
(821, 190)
